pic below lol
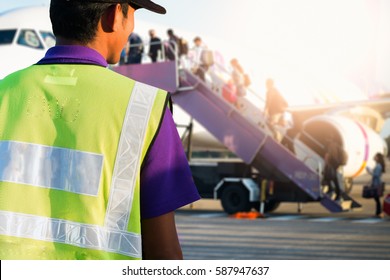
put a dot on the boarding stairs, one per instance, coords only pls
(241, 128)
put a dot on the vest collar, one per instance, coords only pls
(72, 54)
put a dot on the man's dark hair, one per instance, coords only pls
(77, 20)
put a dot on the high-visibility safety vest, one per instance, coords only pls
(70, 157)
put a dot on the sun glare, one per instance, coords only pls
(313, 49)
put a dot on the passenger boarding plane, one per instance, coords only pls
(25, 35)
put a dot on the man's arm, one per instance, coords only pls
(166, 185)
(159, 238)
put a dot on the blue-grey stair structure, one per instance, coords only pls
(251, 142)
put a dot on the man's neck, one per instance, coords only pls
(60, 41)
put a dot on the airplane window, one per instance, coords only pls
(7, 36)
(48, 38)
(30, 39)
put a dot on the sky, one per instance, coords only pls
(334, 46)
(331, 43)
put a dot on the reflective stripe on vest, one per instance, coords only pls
(43, 166)
(113, 236)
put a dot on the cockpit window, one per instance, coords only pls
(48, 38)
(29, 38)
(7, 36)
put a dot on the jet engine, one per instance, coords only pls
(358, 140)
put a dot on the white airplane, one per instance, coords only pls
(25, 35)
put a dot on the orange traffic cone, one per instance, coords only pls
(247, 215)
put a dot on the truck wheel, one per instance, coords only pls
(235, 198)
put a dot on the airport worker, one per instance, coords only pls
(376, 181)
(91, 165)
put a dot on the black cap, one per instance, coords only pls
(147, 4)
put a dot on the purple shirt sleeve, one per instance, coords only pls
(166, 180)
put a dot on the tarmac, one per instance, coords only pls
(367, 210)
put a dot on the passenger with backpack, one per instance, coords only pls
(135, 49)
(155, 46)
(183, 46)
(199, 59)
(275, 106)
(239, 77)
(335, 157)
(176, 45)
(171, 46)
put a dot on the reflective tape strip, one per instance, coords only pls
(50, 167)
(70, 233)
(127, 162)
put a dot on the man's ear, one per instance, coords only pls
(111, 18)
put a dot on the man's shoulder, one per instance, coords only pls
(17, 75)
(135, 39)
(126, 80)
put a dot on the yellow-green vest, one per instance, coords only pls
(72, 142)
